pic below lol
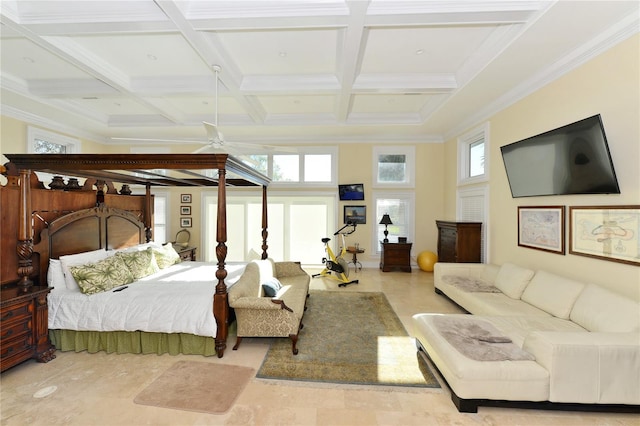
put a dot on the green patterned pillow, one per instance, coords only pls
(102, 276)
(141, 263)
(166, 256)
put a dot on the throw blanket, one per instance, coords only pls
(470, 285)
(479, 340)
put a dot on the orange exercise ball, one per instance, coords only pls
(426, 260)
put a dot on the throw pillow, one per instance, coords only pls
(102, 276)
(141, 263)
(271, 287)
(55, 276)
(166, 256)
(80, 259)
(513, 279)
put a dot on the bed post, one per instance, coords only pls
(148, 208)
(25, 231)
(265, 222)
(220, 298)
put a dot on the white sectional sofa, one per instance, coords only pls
(533, 337)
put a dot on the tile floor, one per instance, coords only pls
(98, 389)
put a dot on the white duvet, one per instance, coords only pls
(178, 299)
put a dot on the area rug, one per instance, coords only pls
(197, 386)
(349, 337)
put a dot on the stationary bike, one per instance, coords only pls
(337, 265)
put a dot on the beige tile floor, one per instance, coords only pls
(98, 389)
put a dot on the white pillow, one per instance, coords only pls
(81, 259)
(513, 279)
(55, 276)
(141, 247)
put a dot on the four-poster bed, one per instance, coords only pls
(69, 219)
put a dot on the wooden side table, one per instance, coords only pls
(395, 256)
(355, 261)
(186, 253)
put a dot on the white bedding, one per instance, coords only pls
(178, 299)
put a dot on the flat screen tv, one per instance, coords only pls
(354, 191)
(572, 159)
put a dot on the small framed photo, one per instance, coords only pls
(355, 214)
(541, 228)
(185, 222)
(185, 210)
(185, 198)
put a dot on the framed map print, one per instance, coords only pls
(542, 228)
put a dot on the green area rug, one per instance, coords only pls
(349, 337)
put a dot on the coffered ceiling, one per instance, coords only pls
(323, 71)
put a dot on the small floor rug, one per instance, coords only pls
(197, 386)
(349, 337)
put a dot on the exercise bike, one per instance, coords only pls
(337, 265)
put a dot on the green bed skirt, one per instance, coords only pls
(135, 342)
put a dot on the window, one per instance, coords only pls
(399, 207)
(160, 216)
(394, 166)
(41, 141)
(473, 150)
(297, 225)
(308, 166)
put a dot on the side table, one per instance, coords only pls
(355, 252)
(395, 256)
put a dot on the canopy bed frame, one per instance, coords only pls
(108, 219)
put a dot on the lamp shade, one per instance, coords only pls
(386, 220)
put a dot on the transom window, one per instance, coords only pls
(473, 149)
(41, 141)
(312, 166)
(394, 166)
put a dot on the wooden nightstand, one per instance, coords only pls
(186, 253)
(395, 256)
(24, 326)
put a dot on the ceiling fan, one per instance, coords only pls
(215, 139)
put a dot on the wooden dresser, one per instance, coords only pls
(459, 242)
(395, 256)
(24, 331)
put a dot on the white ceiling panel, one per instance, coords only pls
(282, 52)
(298, 104)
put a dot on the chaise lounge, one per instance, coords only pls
(269, 300)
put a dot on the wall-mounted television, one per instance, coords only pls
(351, 192)
(572, 159)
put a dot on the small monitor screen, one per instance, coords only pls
(353, 191)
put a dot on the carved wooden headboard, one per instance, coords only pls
(89, 229)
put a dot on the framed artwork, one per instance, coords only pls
(542, 228)
(355, 214)
(185, 210)
(605, 232)
(185, 198)
(185, 222)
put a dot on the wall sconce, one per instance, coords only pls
(386, 221)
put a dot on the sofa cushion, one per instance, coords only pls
(599, 309)
(266, 269)
(552, 293)
(513, 279)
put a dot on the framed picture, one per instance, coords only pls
(185, 198)
(355, 214)
(605, 232)
(542, 228)
(185, 210)
(185, 222)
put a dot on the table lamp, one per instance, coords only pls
(386, 221)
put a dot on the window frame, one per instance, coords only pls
(301, 152)
(480, 133)
(410, 155)
(72, 145)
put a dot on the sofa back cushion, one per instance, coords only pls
(513, 279)
(599, 309)
(552, 293)
(248, 285)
